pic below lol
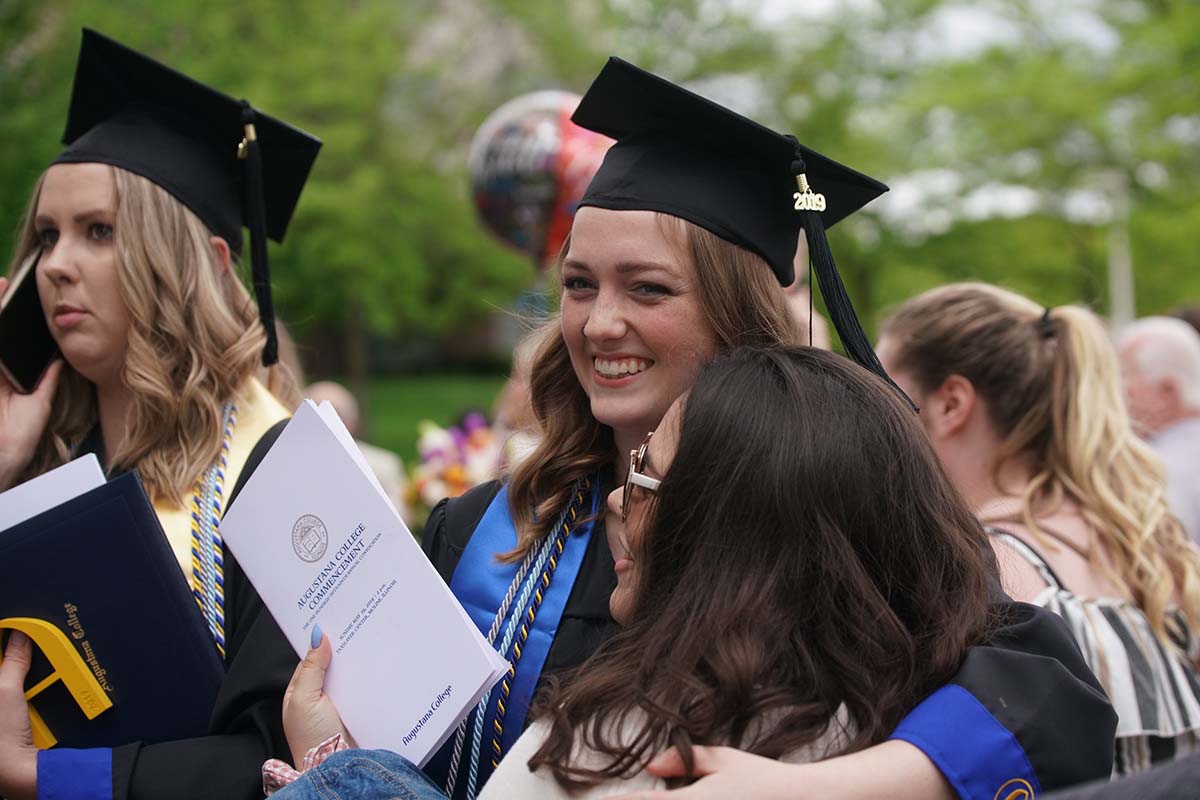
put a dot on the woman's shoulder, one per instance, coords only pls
(254, 457)
(1120, 646)
(513, 778)
(260, 418)
(1024, 574)
(451, 523)
(258, 405)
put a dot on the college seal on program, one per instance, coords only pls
(309, 538)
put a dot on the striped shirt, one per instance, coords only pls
(1153, 687)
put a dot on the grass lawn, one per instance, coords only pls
(398, 403)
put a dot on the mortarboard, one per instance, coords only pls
(684, 155)
(228, 162)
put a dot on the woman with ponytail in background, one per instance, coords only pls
(1023, 405)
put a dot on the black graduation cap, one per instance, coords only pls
(684, 155)
(228, 162)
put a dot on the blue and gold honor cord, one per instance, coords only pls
(532, 585)
(208, 550)
(542, 585)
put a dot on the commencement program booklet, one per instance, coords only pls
(320, 541)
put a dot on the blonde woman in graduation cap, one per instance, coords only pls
(676, 256)
(137, 229)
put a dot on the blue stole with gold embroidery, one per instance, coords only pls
(481, 583)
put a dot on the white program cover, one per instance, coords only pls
(322, 544)
(27, 500)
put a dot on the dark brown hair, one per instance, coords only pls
(804, 553)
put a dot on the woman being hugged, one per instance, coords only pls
(136, 227)
(676, 256)
(1024, 406)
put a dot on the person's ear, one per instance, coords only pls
(950, 406)
(221, 248)
(1169, 395)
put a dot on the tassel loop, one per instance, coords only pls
(256, 220)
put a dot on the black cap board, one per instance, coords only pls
(228, 162)
(684, 155)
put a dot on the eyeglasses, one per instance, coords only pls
(636, 477)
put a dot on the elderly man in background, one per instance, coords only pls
(1160, 364)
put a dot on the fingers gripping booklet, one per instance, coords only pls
(321, 542)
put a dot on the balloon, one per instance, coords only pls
(529, 167)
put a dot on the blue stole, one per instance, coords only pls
(480, 582)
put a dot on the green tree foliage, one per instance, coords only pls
(386, 245)
(383, 242)
(1079, 118)
(1102, 124)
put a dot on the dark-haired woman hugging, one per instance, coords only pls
(793, 590)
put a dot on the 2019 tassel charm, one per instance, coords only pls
(841, 312)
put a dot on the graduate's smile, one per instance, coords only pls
(619, 370)
(632, 319)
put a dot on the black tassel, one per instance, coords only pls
(256, 220)
(837, 302)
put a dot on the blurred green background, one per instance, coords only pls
(398, 402)
(1040, 144)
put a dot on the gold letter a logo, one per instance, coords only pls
(68, 667)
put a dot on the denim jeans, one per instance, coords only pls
(363, 775)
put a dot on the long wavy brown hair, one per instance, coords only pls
(1050, 382)
(742, 302)
(194, 340)
(804, 561)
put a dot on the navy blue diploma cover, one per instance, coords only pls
(122, 653)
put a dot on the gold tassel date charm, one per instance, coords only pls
(806, 199)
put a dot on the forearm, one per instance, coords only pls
(892, 769)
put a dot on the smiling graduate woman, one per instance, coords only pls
(676, 256)
(138, 223)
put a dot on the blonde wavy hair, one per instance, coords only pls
(1051, 385)
(742, 301)
(194, 339)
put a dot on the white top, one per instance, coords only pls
(1179, 448)
(514, 779)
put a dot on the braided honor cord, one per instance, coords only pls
(533, 583)
(456, 755)
(208, 550)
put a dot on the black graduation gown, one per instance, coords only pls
(247, 722)
(1031, 676)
